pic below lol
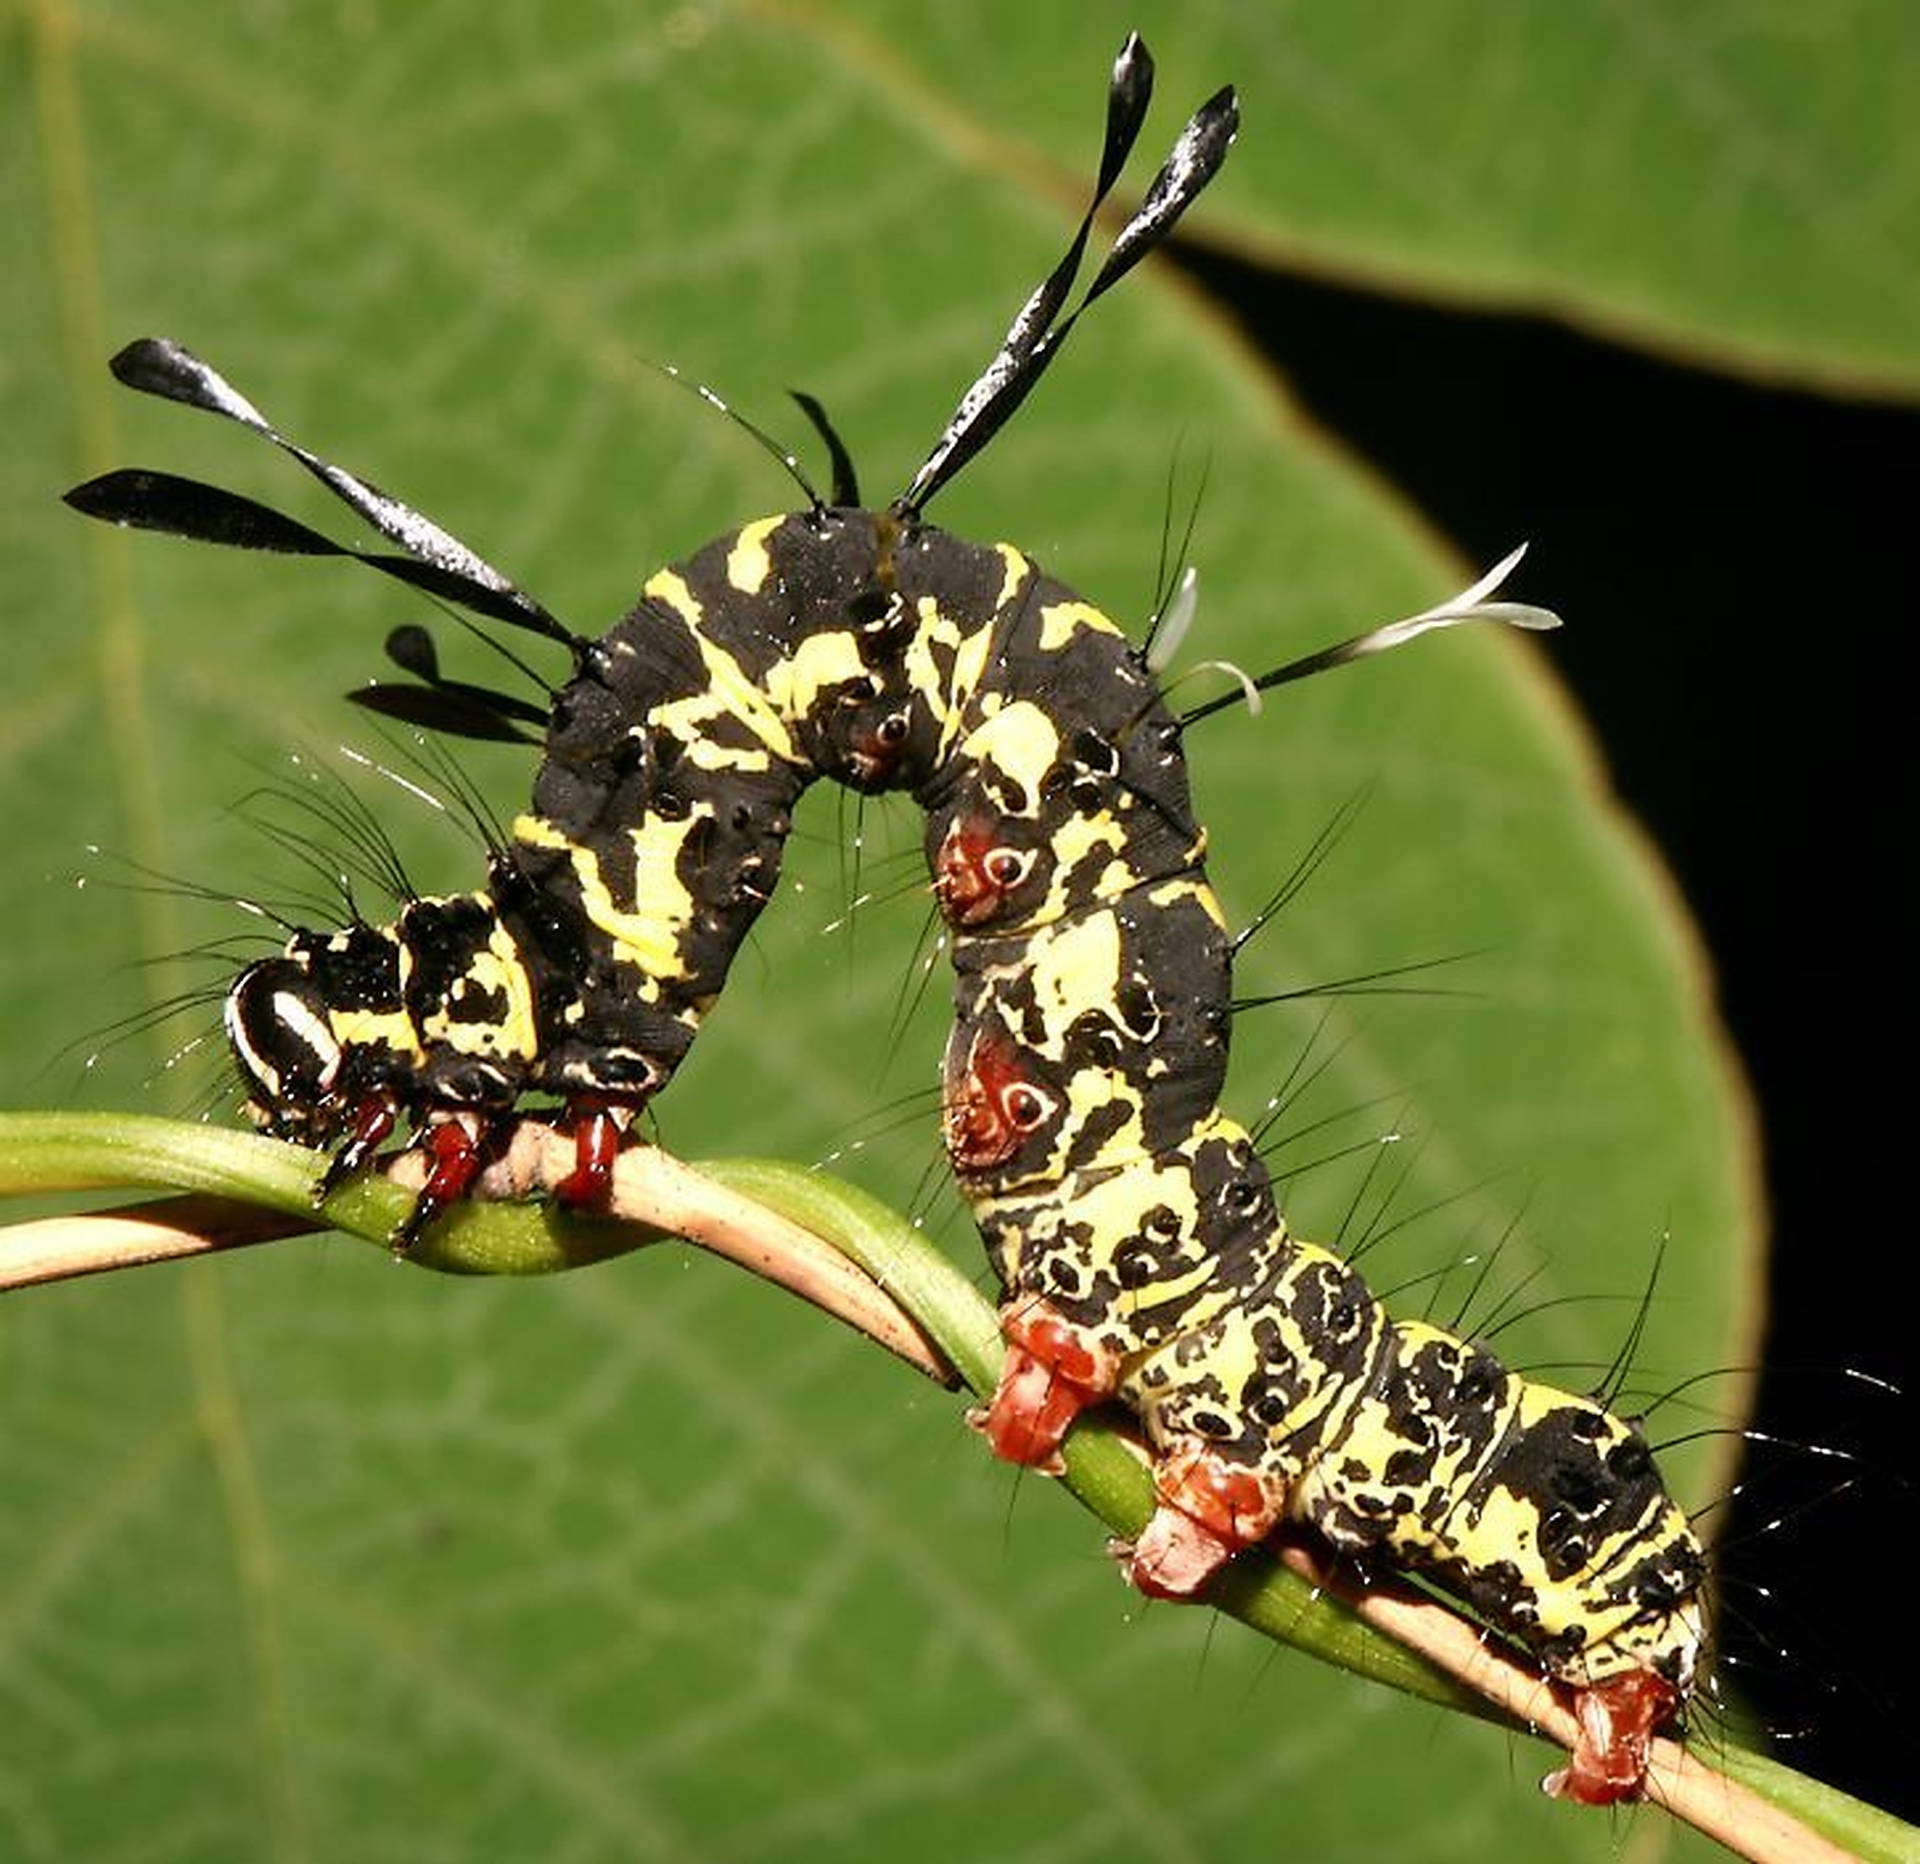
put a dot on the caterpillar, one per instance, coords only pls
(1131, 1222)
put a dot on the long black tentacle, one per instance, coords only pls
(435, 560)
(1033, 339)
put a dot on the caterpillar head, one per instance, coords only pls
(285, 1049)
(868, 724)
(875, 733)
(304, 1028)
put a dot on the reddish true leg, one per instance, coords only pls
(454, 1159)
(1618, 1720)
(373, 1123)
(1208, 1509)
(1048, 1379)
(597, 1132)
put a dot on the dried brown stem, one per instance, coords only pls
(163, 1229)
(1706, 1799)
(651, 1190)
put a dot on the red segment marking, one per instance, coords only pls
(980, 1131)
(373, 1120)
(1174, 1558)
(453, 1163)
(1618, 1720)
(373, 1123)
(966, 892)
(454, 1159)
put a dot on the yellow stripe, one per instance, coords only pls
(649, 936)
(748, 564)
(1018, 570)
(1061, 621)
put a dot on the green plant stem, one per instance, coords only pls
(1103, 1472)
(96, 1152)
(64, 1152)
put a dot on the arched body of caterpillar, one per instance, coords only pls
(1131, 1222)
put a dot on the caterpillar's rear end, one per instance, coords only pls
(1135, 1232)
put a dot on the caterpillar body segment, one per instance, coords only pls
(1396, 1439)
(1131, 1222)
(1291, 1396)
(1272, 1385)
(660, 812)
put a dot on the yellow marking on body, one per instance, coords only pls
(1074, 967)
(1080, 835)
(537, 832)
(1061, 621)
(1327, 1407)
(728, 693)
(1502, 1524)
(1116, 1207)
(670, 587)
(924, 676)
(743, 700)
(686, 721)
(388, 1029)
(1021, 741)
(647, 935)
(1093, 1091)
(497, 969)
(505, 956)
(819, 662)
(1186, 886)
(970, 661)
(1079, 968)
(1018, 569)
(748, 563)
(1640, 1643)
(1074, 886)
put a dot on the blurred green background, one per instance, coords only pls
(311, 1556)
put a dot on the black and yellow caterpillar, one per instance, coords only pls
(1132, 1223)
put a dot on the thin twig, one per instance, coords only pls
(653, 1188)
(164, 1229)
(652, 1191)
(655, 1193)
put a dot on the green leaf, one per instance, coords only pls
(311, 1556)
(1723, 181)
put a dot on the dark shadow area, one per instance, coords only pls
(1732, 564)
